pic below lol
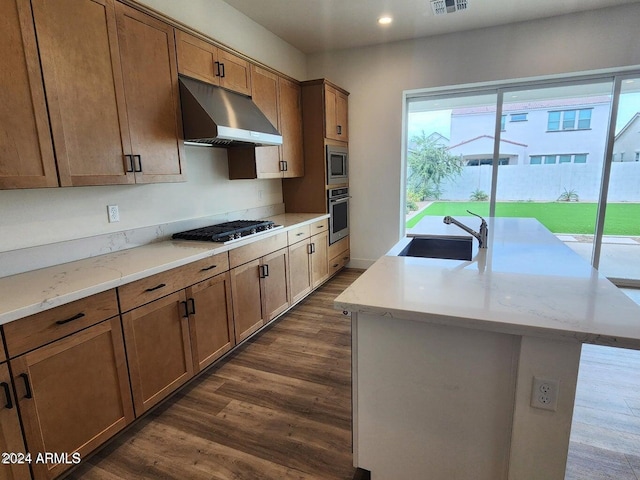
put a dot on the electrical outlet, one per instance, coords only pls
(114, 213)
(544, 394)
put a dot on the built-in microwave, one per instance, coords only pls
(337, 165)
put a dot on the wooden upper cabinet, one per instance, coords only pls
(150, 74)
(204, 61)
(110, 74)
(83, 79)
(235, 73)
(26, 152)
(280, 100)
(265, 95)
(336, 114)
(290, 95)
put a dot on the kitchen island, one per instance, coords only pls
(445, 353)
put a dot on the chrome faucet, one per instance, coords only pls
(484, 230)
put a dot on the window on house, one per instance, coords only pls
(580, 158)
(564, 159)
(518, 117)
(566, 120)
(554, 121)
(503, 119)
(535, 160)
(549, 159)
(637, 156)
(622, 156)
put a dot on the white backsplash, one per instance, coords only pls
(32, 258)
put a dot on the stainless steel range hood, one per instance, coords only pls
(215, 116)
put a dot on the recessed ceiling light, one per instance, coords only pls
(386, 20)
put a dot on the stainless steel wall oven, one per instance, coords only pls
(338, 199)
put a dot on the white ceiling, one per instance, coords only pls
(322, 25)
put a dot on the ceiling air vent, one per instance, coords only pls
(440, 7)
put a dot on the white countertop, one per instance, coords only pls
(38, 290)
(527, 282)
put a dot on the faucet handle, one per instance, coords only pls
(475, 214)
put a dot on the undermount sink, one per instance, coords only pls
(449, 248)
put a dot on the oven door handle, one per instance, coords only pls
(339, 200)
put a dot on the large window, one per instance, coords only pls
(512, 163)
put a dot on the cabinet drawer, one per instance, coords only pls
(258, 249)
(3, 357)
(151, 288)
(206, 268)
(298, 234)
(339, 262)
(338, 247)
(42, 328)
(319, 226)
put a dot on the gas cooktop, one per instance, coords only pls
(228, 232)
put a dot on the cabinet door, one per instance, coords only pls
(150, 74)
(299, 271)
(26, 152)
(265, 96)
(235, 73)
(197, 58)
(330, 119)
(275, 283)
(74, 393)
(342, 125)
(319, 258)
(247, 306)
(211, 320)
(11, 440)
(158, 349)
(290, 95)
(335, 112)
(81, 67)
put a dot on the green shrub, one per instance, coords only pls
(478, 196)
(568, 196)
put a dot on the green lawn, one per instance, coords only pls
(559, 217)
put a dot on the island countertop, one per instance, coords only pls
(527, 282)
(38, 290)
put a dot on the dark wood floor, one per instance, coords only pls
(278, 408)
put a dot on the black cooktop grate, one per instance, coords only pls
(226, 231)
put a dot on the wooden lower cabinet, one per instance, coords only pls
(210, 320)
(299, 270)
(260, 292)
(319, 258)
(275, 284)
(11, 440)
(247, 304)
(158, 348)
(73, 394)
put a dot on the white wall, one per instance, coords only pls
(377, 76)
(42, 216)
